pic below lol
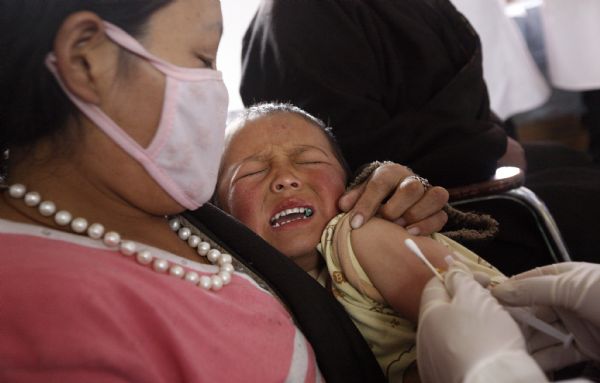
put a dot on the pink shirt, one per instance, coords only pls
(73, 311)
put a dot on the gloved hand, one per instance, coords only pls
(465, 335)
(572, 290)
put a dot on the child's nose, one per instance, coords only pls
(286, 182)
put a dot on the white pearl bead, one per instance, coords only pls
(127, 247)
(111, 238)
(144, 257)
(193, 241)
(79, 225)
(17, 191)
(217, 282)
(184, 233)
(47, 208)
(32, 198)
(203, 248)
(63, 218)
(224, 259)
(177, 271)
(205, 282)
(174, 224)
(225, 276)
(160, 265)
(192, 276)
(95, 231)
(213, 255)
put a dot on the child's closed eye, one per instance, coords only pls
(250, 173)
(309, 162)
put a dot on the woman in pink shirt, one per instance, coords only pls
(111, 119)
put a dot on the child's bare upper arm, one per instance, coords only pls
(394, 270)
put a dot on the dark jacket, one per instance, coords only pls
(397, 80)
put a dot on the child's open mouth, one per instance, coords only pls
(290, 215)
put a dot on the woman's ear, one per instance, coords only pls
(84, 55)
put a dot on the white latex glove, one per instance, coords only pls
(572, 290)
(465, 335)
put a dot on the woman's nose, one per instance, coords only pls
(285, 182)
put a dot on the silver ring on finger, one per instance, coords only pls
(424, 181)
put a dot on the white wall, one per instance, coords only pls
(236, 17)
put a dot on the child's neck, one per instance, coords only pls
(316, 268)
(320, 274)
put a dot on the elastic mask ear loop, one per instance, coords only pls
(100, 119)
(126, 41)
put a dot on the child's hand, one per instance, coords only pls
(394, 193)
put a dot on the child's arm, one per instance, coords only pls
(394, 270)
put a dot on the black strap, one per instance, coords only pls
(342, 353)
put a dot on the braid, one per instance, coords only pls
(469, 226)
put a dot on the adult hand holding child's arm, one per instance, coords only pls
(393, 192)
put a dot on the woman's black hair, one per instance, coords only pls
(32, 105)
(264, 109)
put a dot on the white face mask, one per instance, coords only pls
(183, 157)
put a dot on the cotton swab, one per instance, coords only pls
(517, 313)
(415, 249)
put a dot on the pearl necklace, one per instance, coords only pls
(144, 257)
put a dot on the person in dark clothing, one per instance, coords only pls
(396, 80)
(402, 81)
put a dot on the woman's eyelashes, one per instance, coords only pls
(207, 62)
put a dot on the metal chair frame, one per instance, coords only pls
(545, 222)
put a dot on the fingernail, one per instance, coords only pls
(357, 221)
(400, 221)
(414, 231)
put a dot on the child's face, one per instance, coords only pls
(274, 164)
